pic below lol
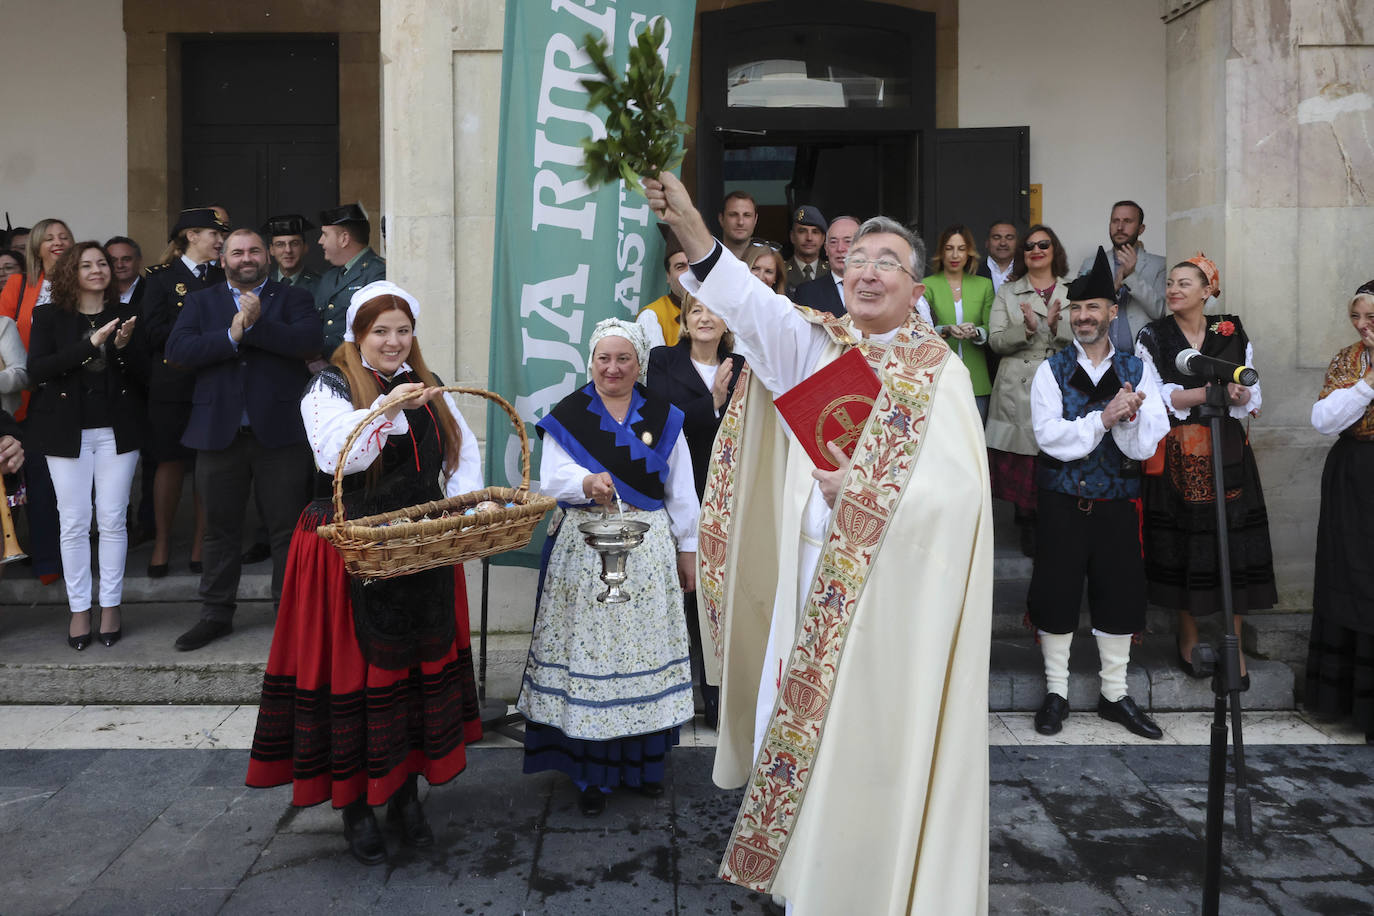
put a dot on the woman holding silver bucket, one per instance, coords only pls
(607, 685)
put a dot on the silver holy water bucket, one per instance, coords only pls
(613, 537)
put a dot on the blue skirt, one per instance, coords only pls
(630, 761)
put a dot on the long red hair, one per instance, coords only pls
(363, 384)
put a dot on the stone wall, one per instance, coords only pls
(1271, 171)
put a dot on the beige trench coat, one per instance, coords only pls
(1009, 413)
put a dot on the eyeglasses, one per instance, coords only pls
(764, 243)
(883, 265)
(1043, 245)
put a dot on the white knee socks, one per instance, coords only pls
(1055, 647)
(1114, 653)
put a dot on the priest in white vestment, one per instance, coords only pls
(851, 608)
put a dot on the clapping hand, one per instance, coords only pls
(720, 388)
(102, 333)
(1028, 315)
(1122, 407)
(125, 332)
(1052, 316)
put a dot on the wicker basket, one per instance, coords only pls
(387, 545)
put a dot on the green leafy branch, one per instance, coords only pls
(642, 128)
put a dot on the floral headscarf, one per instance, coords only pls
(1209, 269)
(615, 327)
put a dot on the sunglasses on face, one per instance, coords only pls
(1043, 245)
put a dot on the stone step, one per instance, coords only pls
(39, 667)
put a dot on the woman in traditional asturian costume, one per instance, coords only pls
(369, 684)
(1180, 516)
(607, 685)
(1340, 651)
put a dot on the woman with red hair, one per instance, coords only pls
(369, 684)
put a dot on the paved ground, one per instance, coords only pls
(1074, 829)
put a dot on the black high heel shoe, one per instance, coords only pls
(110, 638)
(79, 642)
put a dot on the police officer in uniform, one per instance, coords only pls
(286, 244)
(345, 235)
(189, 263)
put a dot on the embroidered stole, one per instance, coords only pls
(883, 461)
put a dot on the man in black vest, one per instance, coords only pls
(1096, 412)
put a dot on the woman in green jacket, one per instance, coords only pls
(960, 302)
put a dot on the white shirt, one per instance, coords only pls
(648, 320)
(999, 276)
(329, 419)
(561, 477)
(129, 293)
(839, 285)
(1335, 413)
(1167, 389)
(1069, 440)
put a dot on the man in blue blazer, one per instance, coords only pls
(826, 292)
(247, 341)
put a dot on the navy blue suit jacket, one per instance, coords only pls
(264, 375)
(821, 295)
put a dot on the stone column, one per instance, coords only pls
(441, 104)
(1271, 172)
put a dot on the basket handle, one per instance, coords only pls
(381, 408)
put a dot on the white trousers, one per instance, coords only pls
(112, 475)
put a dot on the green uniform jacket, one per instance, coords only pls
(306, 280)
(977, 294)
(336, 290)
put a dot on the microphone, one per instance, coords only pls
(1191, 362)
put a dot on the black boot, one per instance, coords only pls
(363, 835)
(404, 814)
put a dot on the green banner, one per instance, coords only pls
(565, 256)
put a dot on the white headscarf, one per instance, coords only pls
(376, 290)
(614, 327)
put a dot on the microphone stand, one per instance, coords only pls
(1225, 682)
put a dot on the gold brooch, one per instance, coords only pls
(647, 437)
(181, 289)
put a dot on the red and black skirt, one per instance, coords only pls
(339, 727)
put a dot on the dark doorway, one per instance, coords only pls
(812, 102)
(260, 127)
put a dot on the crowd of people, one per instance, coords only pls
(1070, 397)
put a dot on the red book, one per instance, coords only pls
(832, 404)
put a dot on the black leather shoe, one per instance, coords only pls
(256, 554)
(157, 570)
(591, 801)
(110, 638)
(405, 816)
(196, 567)
(363, 835)
(1202, 663)
(651, 789)
(1130, 715)
(203, 633)
(79, 642)
(1049, 718)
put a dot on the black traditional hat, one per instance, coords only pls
(286, 224)
(198, 218)
(1099, 283)
(809, 216)
(348, 213)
